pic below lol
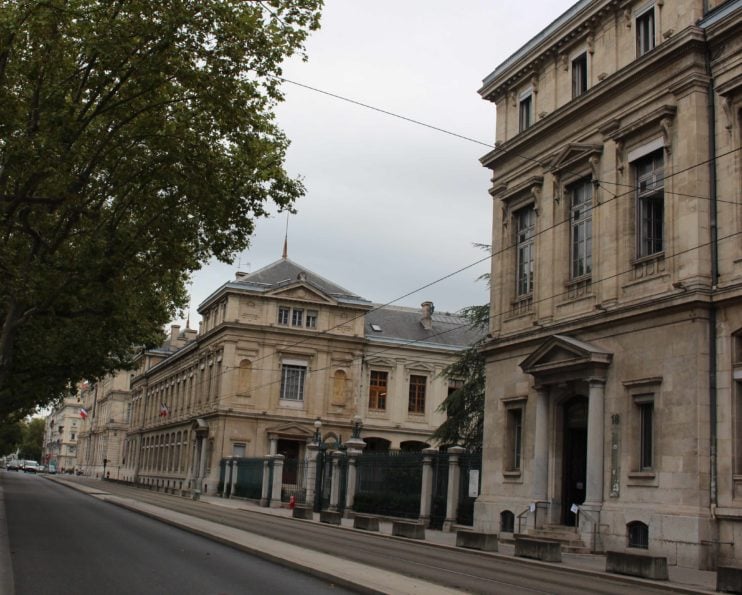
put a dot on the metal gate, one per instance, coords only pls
(439, 496)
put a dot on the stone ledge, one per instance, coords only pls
(642, 565)
(546, 550)
(367, 523)
(303, 512)
(477, 541)
(409, 529)
(330, 517)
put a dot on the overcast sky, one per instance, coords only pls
(392, 206)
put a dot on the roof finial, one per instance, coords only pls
(188, 319)
(286, 239)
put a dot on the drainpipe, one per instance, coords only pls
(713, 229)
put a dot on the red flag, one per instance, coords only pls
(83, 413)
(164, 411)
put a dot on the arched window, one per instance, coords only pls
(376, 444)
(245, 378)
(638, 534)
(507, 521)
(413, 446)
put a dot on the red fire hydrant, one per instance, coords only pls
(292, 502)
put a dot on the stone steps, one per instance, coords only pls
(567, 536)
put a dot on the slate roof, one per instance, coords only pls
(285, 272)
(403, 325)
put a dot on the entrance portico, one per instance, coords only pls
(568, 457)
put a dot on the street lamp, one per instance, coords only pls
(356, 425)
(317, 433)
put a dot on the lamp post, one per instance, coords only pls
(357, 426)
(317, 431)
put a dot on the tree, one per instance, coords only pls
(137, 141)
(11, 436)
(33, 439)
(464, 407)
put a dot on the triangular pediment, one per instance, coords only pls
(291, 430)
(302, 292)
(561, 352)
(573, 153)
(381, 362)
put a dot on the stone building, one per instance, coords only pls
(61, 431)
(613, 406)
(106, 406)
(278, 349)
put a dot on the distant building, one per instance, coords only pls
(61, 433)
(103, 423)
(278, 349)
(614, 399)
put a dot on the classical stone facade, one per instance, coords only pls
(277, 350)
(61, 431)
(103, 427)
(613, 370)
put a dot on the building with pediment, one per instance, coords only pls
(278, 349)
(613, 413)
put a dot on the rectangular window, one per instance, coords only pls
(581, 228)
(283, 315)
(377, 389)
(737, 386)
(650, 204)
(417, 394)
(515, 438)
(525, 107)
(645, 411)
(311, 318)
(297, 317)
(579, 75)
(645, 32)
(525, 227)
(292, 382)
(238, 449)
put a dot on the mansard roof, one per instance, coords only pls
(285, 273)
(403, 325)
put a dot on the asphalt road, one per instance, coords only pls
(64, 542)
(459, 569)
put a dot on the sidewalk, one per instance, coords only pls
(358, 576)
(683, 578)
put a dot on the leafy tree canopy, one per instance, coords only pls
(137, 140)
(33, 439)
(464, 407)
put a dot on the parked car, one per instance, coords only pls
(14, 465)
(31, 466)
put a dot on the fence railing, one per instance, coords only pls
(389, 484)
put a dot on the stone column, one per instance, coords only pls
(454, 486)
(273, 445)
(595, 440)
(202, 462)
(539, 485)
(235, 471)
(355, 449)
(277, 481)
(226, 486)
(265, 486)
(336, 480)
(426, 489)
(311, 474)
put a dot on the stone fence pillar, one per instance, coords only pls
(336, 480)
(310, 477)
(454, 487)
(265, 489)
(277, 480)
(426, 489)
(235, 471)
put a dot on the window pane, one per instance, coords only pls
(283, 315)
(417, 394)
(579, 75)
(647, 413)
(524, 112)
(525, 220)
(292, 382)
(581, 195)
(650, 205)
(377, 390)
(297, 317)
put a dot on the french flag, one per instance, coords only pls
(83, 413)
(164, 411)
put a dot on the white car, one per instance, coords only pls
(31, 467)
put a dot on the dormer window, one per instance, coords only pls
(579, 75)
(645, 32)
(525, 111)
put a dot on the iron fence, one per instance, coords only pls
(388, 483)
(294, 481)
(439, 497)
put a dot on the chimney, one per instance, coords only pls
(427, 319)
(174, 332)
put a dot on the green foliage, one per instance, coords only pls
(33, 439)
(137, 141)
(464, 407)
(11, 436)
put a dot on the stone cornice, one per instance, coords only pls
(665, 55)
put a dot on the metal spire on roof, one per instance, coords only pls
(286, 240)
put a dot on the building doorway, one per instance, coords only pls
(290, 450)
(574, 457)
